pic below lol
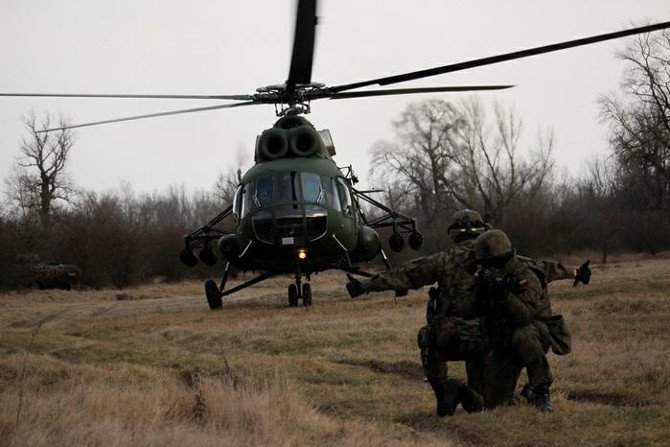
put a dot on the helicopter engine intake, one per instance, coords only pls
(304, 141)
(273, 144)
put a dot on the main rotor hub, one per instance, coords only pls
(290, 100)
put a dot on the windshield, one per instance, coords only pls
(292, 186)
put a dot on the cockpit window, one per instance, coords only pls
(237, 201)
(248, 198)
(320, 189)
(263, 192)
(312, 191)
(345, 196)
(330, 192)
(255, 194)
(287, 187)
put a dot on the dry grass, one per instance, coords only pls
(158, 368)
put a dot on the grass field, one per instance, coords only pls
(152, 366)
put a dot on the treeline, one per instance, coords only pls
(114, 238)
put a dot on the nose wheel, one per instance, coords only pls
(299, 291)
(292, 296)
(307, 294)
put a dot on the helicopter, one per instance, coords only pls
(295, 211)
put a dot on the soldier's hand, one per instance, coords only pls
(583, 274)
(354, 287)
(497, 286)
(500, 287)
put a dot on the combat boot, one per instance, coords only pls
(471, 400)
(528, 393)
(447, 397)
(542, 399)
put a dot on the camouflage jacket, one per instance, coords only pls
(453, 271)
(521, 300)
(548, 271)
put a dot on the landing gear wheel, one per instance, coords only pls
(306, 295)
(292, 296)
(213, 295)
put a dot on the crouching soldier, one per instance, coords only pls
(516, 322)
(448, 336)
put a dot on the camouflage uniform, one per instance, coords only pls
(449, 336)
(517, 324)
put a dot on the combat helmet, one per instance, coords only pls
(491, 245)
(466, 223)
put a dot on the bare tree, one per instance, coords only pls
(639, 117)
(39, 178)
(226, 185)
(448, 156)
(423, 152)
(492, 173)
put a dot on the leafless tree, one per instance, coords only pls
(422, 153)
(40, 178)
(492, 172)
(226, 185)
(448, 156)
(639, 118)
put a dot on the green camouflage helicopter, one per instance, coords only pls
(295, 212)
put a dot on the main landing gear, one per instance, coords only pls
(296, 292)
(213, 295)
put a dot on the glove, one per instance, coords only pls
(497, 287)
(354, 287)
(583, 274)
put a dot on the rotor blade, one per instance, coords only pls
(105, 95)
(303, 44)
(408, 91)
(150, 115)
(500, 58)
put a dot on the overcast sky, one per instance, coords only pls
(233, 47)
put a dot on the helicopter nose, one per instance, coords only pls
(289, 225)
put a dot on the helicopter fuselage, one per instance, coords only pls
(294, 211)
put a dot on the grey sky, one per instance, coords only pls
(226, 47)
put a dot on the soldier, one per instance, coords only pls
(516, 322)
(448, 336)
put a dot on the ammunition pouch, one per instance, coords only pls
(554, 333)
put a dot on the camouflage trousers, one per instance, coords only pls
(492, 369)
(451, 339)
(503, 366)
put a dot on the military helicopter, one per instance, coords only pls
(295, 211)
